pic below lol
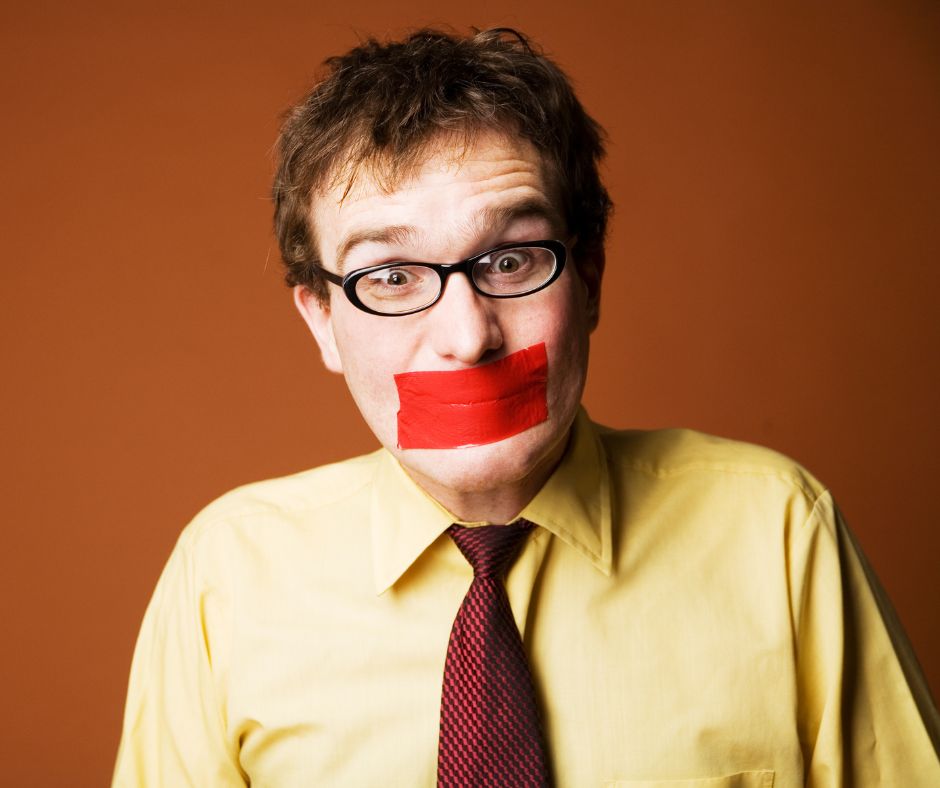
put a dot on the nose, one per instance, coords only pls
(466, 325)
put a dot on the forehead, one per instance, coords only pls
(460, 193)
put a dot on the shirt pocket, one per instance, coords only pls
(759, 779)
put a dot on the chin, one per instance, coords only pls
(477, 469)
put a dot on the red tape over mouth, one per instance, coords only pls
(470, 407)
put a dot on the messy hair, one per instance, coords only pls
(382, 105)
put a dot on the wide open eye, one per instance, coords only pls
(390, 278)
(508, 262)
(514, 271)
(398, 288)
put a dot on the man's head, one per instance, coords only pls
(382, 107)
(436, 150)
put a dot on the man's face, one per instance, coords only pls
(460, 202)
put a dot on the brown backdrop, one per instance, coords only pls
(772, 277)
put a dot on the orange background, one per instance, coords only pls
(773, 276)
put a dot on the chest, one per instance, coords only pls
(639, 673)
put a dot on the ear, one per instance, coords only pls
(591, 271)
(319, 320)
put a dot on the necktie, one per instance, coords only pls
(490, 733)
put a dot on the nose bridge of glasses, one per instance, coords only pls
(445, 270)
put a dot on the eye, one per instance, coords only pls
(398, 288)
(390, 277)
(514, 270)
(507, 264)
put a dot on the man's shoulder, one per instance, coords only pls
(679, 454)
(285, 498)
(687, 482)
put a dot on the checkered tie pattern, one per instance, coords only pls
(490, 732)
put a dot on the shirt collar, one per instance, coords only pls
(574, 504)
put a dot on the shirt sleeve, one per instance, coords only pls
(866, 716)
(174, 729)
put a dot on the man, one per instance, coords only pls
(610, 608)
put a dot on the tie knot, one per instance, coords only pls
(491, 549)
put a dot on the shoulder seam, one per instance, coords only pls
(719, 467)
(205, 521)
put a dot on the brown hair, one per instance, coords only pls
(382, 104)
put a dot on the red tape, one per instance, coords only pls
(470, 407)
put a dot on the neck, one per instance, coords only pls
(500, 504)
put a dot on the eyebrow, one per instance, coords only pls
(498, 216)
(527, 208)
(395, 234)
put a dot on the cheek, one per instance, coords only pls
(566, 330)
(567, 340)
(371, 357)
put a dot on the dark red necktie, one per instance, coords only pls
(490, 732)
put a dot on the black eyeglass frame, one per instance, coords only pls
(444, 270)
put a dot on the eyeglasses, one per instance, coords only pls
(508, 271)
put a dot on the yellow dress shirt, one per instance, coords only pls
(695, 612)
